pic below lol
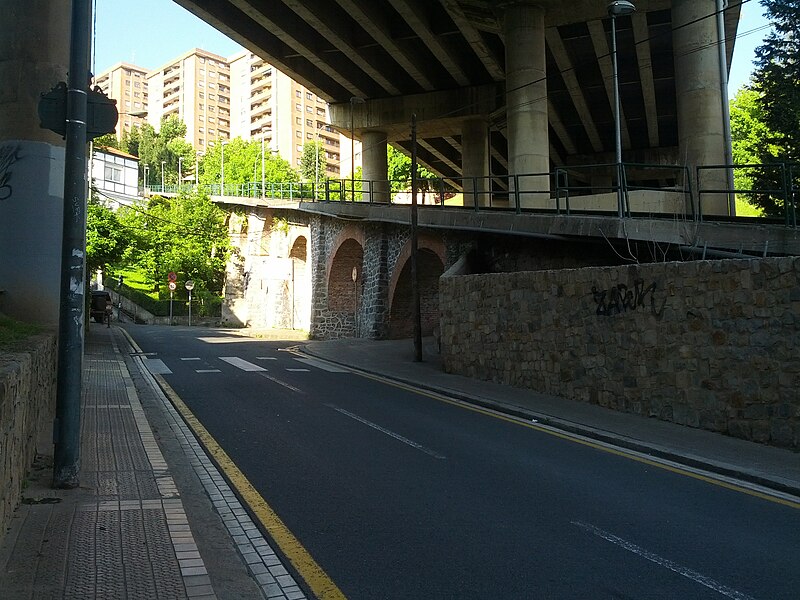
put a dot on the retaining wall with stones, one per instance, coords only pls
(27, 408)
(708, 344)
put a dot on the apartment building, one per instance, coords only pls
(268, 104)
(127, 84)
(220, 99)
(195, 87)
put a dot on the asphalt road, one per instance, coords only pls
(399, 495)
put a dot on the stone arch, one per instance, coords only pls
(343, 294)
(301, 283)
(430, 266)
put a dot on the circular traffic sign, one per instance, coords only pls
(172, 286)
(189, 285)
(173, 276)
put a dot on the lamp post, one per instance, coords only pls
(146, 176)
(617, 8)
(353, 101)
(180, 172)
(262, 164)
(163, 162)
(222, 168)
(189, 285)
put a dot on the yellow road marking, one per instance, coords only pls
(320, 583)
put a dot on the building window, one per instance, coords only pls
(298, 134)
(297, 93)
(309, 122)
(298, 120)
(113, 173)
(298, 107)
(309, 96)
(309, 109)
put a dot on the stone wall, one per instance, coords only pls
(709, 344)
(27, 409)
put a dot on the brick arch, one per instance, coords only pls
(342, 293)
(430, 265)
(432, 244)
(350, 232)
(299, 248)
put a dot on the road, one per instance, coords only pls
(397, 494)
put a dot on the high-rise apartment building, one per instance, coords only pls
(267, 103)
(219, 99)
(196, 87)
(127, 84)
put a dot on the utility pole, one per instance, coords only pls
(67, 425)
(416, 313)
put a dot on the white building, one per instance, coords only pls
(115, 176)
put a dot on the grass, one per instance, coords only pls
(137, 281)
(745, 209)
(12, 331)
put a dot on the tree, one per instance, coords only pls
(313, 163)
(107, 140)
(186, 234)
(776, 80)
(161, 149)
(243, 164)
(400, 170)
(106, 240)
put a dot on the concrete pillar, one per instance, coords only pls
(526, 99)
(701, 132)
(475, 161)
(34, 56)
(375, 166)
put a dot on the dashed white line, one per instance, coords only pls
(299, 370)
(392, 434)
(674, 567)
(266, 358)
(282, 383)
(192, 358)
(325, 366)
(208, 371)
(156, 366)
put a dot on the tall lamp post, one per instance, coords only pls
(163, 162)
(180, 173)
(353, 101)
(222, 168)
(146, 177)
(618, 8)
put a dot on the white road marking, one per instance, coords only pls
(192, 358)
(208, 371)
(156, 366)
(240, 363)
(325, 366)
(299, 370)
(283, 383)
(266, 358)
(228, 340)
(676, 568)
(396, 436)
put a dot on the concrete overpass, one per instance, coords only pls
(504, 88)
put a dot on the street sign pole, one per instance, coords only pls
(189, 285)
(171, 294)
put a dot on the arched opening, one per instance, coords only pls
(301, 284)
(344, 294)
(429, 269)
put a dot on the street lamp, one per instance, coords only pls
(353, 101)
(180, 173)
(163, 162)
(617, 8)
(146, 176)
(222, 168)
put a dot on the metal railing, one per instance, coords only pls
(626, 190)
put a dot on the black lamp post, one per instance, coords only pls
(618, 8)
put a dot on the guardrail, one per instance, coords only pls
(626, 190)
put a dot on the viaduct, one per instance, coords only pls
(567, 268)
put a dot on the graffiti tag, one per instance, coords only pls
(621, 298)
(8, 156)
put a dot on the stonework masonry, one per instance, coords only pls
(708, 344)
(27, 408)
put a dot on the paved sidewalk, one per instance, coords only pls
(773, 468)
(125, 532)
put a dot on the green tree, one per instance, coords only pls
(106, 240)
(107, 140)
(186, 234)
(776, 80)
(400, 170)
(313, 162)
(243, 164)
(162, 149)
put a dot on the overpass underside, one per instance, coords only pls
(502, 89)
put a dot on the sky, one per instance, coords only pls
(149, 33)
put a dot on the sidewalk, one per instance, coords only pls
(772, 468)
(143, 524)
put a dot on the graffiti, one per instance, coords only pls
(620, 298)
(8, 156)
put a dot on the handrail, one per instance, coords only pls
(567, 190)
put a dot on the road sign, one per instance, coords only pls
(172, 286)
(173, 276)
(189, 285)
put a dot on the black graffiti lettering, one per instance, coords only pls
(621, 298)
(8, 156)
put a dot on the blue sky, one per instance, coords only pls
(148, 33)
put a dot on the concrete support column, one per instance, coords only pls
(34, 56)
(475, 161)
(375, 166)
(526, 98)
(701, 132)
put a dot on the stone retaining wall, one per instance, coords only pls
(27, 408)
(709, 344)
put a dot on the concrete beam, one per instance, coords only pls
(641, 37)
(490, 60)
